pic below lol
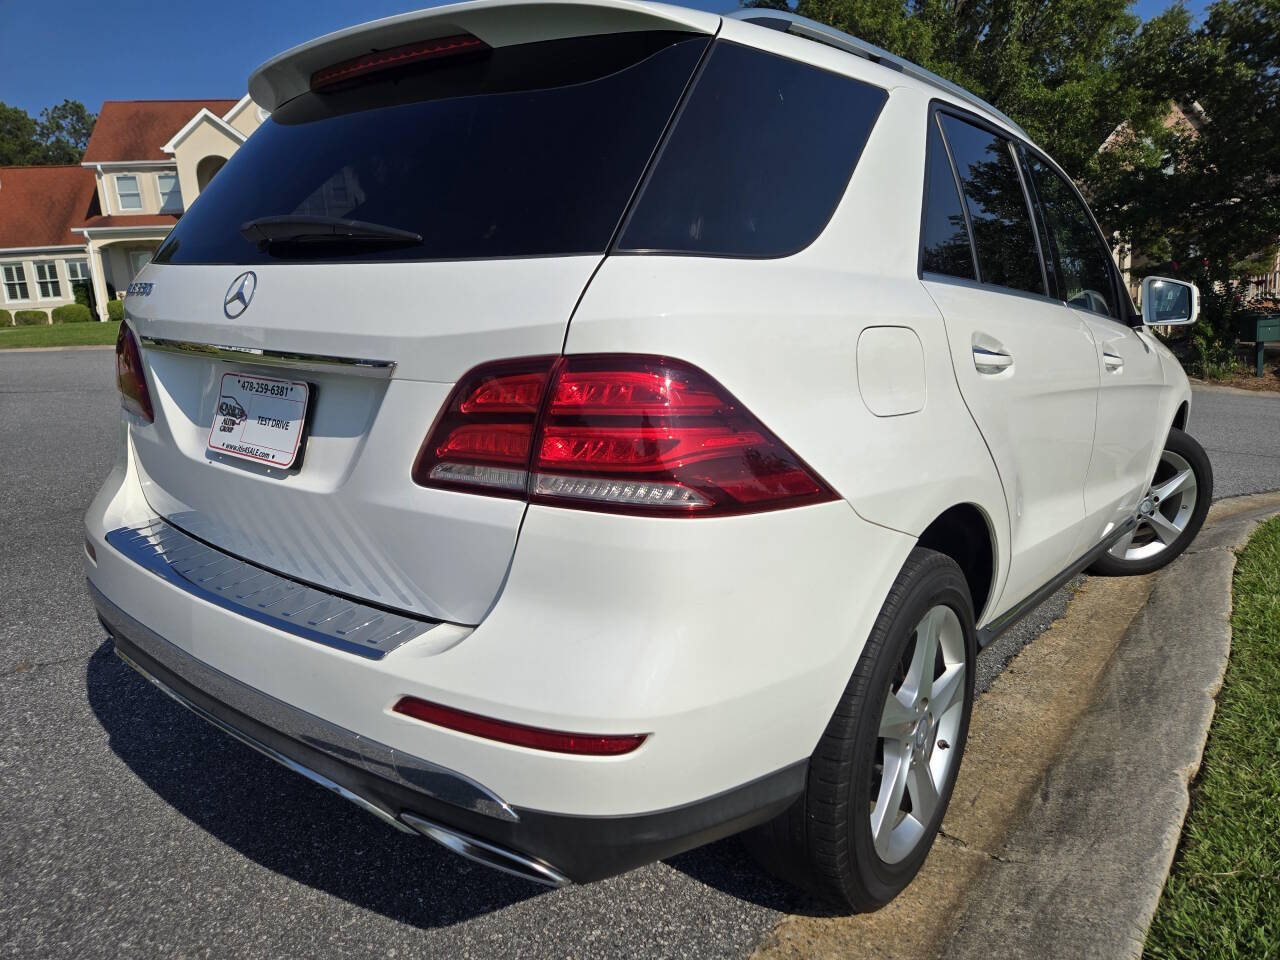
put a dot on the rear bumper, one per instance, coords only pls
(447, 806)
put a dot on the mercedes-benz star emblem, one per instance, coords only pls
(239, 294)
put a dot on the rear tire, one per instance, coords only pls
(1170, 514)
(866, 820)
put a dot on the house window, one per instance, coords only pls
(170, 193)
(78, 270)
(139, 259)
(15, 282)
(47, 279)
(128, 193)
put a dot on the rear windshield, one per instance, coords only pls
(527, 150)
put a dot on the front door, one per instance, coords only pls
(1026, 366)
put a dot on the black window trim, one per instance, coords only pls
(1130, 318)
(613, 249)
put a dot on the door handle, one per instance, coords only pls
(991, 361)
(1113, 363)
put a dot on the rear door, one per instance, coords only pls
(1129, 369)
(1025, 366)
(487, 188)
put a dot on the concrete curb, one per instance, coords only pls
(1081, 872)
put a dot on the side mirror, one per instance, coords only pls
(1168, 302)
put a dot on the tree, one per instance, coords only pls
(59, 136)
(65, 130)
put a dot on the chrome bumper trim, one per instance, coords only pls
(346, 746)
(356, 366)
(250, 591)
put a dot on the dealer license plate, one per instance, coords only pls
(259, 418)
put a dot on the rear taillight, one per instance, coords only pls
(632, 434)
(130, 377)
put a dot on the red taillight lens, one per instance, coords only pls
(631, 434)
(130, 377)
(536, 738)
(396, 57)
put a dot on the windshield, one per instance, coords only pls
(528, 150)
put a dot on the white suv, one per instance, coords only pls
(578, 431)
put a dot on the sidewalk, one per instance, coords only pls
(1071, 799)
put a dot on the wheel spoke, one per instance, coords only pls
(924, 795)
(1179, 483)
(1163, 527)
(948, 690)
(920, 674)
(897, 721)
(893, 784)
(1121, 546)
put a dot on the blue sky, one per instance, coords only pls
(142, 49)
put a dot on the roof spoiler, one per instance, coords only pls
(498, 23)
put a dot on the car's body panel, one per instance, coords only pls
(577, 642)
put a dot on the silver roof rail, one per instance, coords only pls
(821, 33)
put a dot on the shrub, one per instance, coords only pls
(115, 309)
(6, 318)
(28, 318)
(80, 290)
(72, 313)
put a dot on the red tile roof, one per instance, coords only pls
(40, 205)
(137, 129)
(131, 220)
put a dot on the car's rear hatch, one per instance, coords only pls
(510, 164)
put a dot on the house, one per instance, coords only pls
(95, 225)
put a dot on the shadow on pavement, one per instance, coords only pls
(280, 820)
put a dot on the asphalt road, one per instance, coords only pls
(130, 828)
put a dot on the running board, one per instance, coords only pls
(1000, 624)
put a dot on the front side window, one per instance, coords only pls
(170, 193)
(526, 150)
(1002, 232)
(1081, 260)
(760, 157)
(47, 279)
(944, 241)
(127, 192)
(15, 282)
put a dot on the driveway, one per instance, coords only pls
(132, 828)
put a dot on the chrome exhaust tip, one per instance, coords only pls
(508, 861)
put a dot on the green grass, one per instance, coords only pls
(1222, 898)
(59, 335)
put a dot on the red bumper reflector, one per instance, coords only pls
(396, 57)
(535, 738)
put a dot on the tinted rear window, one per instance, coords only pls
(944, 241)
(758, 160)
(527, 150)
(1002, 233)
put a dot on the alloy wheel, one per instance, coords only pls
(1164, 511)
(915, 753)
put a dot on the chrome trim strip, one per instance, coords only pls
(263, 749)
(356, 366)
(277, 601)
(346, 746)
(487, 854)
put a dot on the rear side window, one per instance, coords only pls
(527, 150)
(1002, 232)
(759, 158)
(1082, 261)
(944, 240)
